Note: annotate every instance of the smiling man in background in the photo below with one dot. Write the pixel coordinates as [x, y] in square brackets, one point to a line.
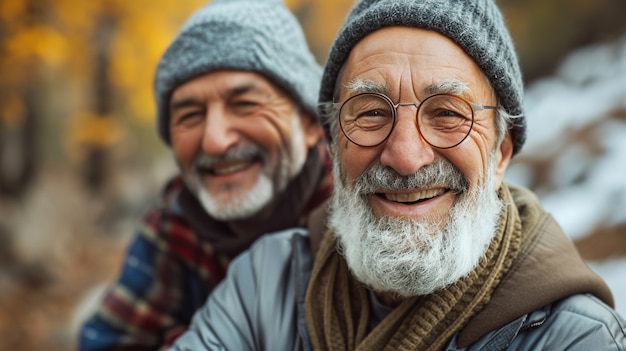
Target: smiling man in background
[236, 97]
[426, 248]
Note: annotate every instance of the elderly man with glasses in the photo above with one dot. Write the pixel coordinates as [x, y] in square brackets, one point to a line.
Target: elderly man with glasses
[426, 248]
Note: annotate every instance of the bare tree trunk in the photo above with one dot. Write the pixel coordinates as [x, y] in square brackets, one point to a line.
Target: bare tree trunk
[96, 165]
[18, 148]
[18, 121]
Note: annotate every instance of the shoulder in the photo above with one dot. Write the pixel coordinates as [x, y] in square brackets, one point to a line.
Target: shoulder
[578, 322]
[266, 268]
[271, 253]
[586, 314]
[254, 307]
[159, 225]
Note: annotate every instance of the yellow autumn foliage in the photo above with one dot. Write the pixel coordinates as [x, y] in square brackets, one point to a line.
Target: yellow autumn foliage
[88, 128]
[43, 42]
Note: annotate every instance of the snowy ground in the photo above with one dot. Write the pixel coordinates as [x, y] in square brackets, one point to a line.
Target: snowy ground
[575, 154]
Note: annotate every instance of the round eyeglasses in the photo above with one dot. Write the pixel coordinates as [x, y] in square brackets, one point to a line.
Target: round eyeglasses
[443, 120]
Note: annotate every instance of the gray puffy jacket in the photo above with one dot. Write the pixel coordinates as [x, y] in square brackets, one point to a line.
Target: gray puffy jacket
[260, 306]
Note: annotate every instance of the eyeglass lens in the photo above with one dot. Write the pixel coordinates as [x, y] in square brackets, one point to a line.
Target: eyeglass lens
[444, 120]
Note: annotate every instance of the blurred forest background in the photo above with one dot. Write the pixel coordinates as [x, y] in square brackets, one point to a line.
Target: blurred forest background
[80, 159]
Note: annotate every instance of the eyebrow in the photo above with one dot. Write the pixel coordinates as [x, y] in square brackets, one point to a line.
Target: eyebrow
[192, 101]
[359, 85]
[453, 86]
[240, 90]
[182, 103]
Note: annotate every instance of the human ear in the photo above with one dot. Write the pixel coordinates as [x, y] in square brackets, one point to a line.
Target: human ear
[311, 129]
[503, 154]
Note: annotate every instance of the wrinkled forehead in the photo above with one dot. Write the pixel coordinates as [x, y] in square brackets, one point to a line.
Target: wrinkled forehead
[445, 86]
[407, 58]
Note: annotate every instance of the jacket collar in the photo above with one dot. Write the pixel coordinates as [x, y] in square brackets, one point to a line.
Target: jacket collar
[547, 269]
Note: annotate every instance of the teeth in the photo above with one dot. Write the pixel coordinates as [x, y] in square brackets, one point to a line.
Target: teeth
[412, 197]
[232, 168]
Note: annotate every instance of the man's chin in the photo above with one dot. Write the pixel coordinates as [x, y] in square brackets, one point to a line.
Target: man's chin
[225, 208]
[237, 205]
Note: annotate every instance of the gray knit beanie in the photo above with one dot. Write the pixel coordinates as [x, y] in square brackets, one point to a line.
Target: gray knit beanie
[261, 36]
[476, 26]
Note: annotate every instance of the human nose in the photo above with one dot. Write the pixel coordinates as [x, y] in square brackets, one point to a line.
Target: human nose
[220, 132]
[405, 150]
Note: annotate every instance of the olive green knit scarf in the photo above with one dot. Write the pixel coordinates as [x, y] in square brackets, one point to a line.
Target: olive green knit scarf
[337, 306]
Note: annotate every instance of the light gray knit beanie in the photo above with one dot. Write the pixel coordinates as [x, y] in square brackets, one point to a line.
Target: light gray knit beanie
[262, 36]
[476, 26]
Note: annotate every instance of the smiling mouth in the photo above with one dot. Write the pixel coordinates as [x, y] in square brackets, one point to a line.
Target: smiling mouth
[411, 198]
[229, 168]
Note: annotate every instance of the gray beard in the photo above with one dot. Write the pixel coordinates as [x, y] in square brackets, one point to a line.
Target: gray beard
[411, 257]
[239, 204]
[272, 180]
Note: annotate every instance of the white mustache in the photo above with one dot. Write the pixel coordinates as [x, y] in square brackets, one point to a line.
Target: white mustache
[204, 162]
[438, 173]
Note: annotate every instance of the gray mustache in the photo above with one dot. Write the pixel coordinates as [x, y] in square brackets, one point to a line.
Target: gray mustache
[441, 172]
[203, 162]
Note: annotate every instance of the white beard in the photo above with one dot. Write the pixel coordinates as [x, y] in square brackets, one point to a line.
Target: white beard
[411, 257]
[238, 207]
